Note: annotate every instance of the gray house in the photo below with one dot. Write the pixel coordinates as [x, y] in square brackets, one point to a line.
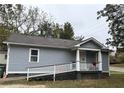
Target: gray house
[49, 56]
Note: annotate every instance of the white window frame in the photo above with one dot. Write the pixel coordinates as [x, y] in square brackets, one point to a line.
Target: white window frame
[37, 55]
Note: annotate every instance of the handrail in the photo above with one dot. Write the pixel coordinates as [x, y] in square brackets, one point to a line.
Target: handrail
[47, 70]
[50, 65]
[60, 64]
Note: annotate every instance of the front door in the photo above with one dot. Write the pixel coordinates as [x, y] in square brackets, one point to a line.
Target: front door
[83, 56]
[92, 59]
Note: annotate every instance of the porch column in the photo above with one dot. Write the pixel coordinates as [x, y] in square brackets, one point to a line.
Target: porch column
[100, 60]
[78, 60]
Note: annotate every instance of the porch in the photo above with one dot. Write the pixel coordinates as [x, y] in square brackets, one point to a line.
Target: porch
[88, 59]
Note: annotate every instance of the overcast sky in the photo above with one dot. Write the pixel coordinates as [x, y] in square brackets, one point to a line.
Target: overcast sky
[83, 18]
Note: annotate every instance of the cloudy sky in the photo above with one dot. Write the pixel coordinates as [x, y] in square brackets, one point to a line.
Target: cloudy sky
[83, 18]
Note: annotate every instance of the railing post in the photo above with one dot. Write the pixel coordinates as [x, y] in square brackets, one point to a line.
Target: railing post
[54, 73]
[78, 60]
[70, 66]
[27, 74]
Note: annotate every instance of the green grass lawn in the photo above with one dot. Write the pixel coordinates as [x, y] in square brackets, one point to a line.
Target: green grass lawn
[114, 81]
[116, 72]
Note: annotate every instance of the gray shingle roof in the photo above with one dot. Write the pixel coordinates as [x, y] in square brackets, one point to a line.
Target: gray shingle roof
[41, 41]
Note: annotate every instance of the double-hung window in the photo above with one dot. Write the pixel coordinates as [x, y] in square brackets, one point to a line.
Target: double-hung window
[34, 55]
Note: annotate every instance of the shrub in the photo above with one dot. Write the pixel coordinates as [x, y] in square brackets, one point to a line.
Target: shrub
[112, 59]
[120, 57]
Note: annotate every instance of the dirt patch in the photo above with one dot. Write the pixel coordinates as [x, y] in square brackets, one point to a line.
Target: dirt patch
[22, 86]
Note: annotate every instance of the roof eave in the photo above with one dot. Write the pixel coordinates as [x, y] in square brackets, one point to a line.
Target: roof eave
[35, 45]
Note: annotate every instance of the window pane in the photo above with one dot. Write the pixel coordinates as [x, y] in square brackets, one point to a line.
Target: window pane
[34, 59]
[34, 52]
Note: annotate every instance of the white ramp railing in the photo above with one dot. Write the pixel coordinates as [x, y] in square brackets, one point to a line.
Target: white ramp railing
[50, 70]
[60, 68]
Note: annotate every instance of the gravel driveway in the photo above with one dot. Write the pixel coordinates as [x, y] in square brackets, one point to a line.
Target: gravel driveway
[119, 69]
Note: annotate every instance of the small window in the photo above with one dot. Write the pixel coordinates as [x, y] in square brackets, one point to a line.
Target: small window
[34, 55]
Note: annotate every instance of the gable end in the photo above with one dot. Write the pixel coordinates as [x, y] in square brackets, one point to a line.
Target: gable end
[90, 44]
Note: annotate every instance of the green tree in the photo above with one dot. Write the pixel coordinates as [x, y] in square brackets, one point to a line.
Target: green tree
[21, 19]
[46, 29]
[114, 15]
[4, 33]
[67, 32]
[10, 16]
[32, 21]
[57, 29]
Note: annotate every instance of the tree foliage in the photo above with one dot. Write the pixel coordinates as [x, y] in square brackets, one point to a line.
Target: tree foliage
[4, 33]
[114, 14]
[120, 50]
[21, 19]
[16, 18]
[67, 32]
[57, 29]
